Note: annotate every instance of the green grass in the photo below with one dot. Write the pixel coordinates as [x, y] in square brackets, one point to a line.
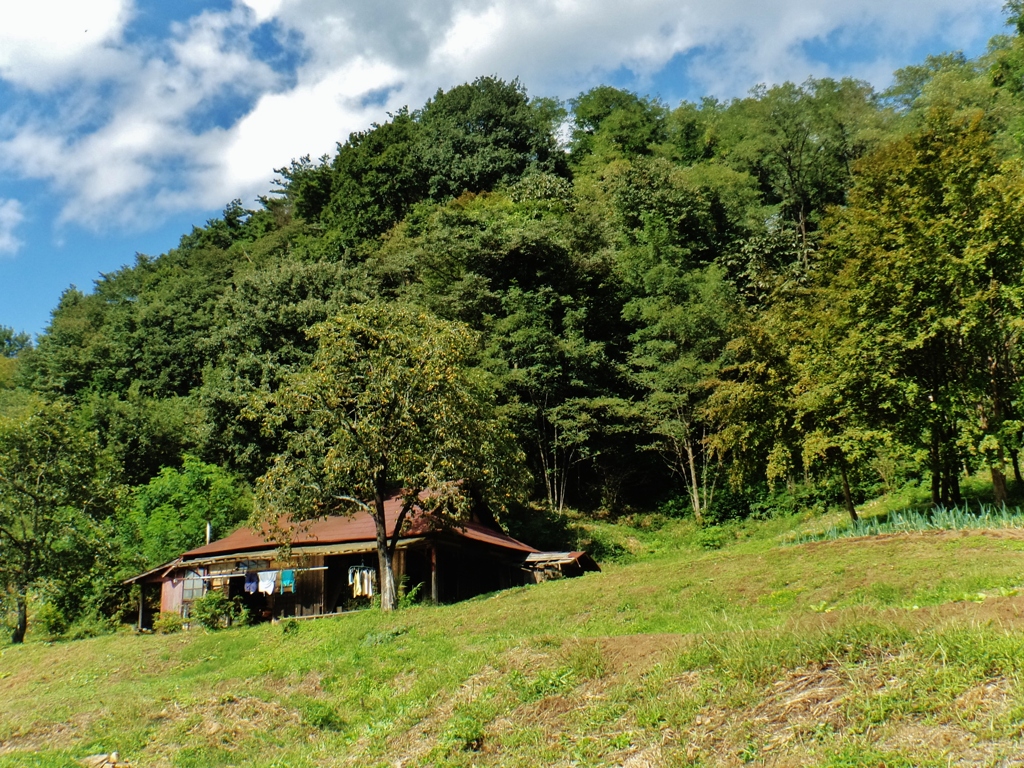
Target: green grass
[900, 650]
[959, 518]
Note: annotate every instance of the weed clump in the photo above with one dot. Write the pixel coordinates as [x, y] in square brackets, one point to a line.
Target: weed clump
[168, 622]
[322, 716]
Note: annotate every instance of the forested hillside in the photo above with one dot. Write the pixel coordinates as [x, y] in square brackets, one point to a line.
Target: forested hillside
[803, 297]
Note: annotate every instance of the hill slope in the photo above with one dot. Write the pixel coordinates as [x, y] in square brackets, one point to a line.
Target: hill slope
[899, 650]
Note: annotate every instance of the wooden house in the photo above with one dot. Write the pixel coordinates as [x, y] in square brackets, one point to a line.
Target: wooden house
[331, 566]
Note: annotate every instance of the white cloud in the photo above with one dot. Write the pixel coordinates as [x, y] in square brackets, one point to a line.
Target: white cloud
[264, 9]
[11, 216]
[145, 149]
[143, 131]
[44, 40]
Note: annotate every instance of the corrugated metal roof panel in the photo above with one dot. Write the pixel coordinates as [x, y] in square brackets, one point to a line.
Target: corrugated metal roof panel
[358, 527]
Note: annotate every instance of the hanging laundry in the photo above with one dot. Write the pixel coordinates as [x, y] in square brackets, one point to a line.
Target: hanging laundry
[361, 579]
[287, 580]
[251, 582]
[268, 580]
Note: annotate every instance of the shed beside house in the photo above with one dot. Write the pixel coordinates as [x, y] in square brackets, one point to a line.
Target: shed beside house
[332, 566]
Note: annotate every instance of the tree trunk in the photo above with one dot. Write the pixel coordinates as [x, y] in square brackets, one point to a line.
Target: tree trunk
[847, 497]
[698, 512]
[998, 485]
[936, 462]
[954, 484]
[18, 635]
[803, 236]
[1015, 460]
[388, 593]
[998, 476]
[951, 476]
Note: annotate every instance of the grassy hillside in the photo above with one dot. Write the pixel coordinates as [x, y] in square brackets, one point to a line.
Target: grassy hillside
[893, 650]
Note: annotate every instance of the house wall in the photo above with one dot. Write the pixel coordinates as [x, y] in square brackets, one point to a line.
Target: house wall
[170, 595]
[465, 571]
[457, 568]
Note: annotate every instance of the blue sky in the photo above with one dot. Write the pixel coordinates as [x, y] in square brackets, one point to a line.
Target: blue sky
[123, 123]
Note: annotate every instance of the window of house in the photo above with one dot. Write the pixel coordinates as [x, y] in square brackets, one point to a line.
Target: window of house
[193, 586]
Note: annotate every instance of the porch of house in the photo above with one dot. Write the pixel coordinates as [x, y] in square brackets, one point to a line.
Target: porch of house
[430, 570]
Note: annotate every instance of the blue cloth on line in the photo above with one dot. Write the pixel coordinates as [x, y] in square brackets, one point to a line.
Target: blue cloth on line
[287, 580]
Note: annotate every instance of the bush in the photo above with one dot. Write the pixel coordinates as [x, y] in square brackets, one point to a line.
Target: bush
[407, 597]
[168, 622]
[714, 537]
[600, 546]
[677, 507]
[213, 611]
[51, 620]
[91, 624]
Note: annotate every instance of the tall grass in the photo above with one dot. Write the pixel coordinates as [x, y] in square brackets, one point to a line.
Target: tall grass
[957, 518]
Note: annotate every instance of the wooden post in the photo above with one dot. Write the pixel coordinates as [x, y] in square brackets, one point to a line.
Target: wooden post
[141, 602]
[433, 574]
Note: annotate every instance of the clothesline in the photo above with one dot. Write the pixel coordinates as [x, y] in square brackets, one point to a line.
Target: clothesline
[233, 574]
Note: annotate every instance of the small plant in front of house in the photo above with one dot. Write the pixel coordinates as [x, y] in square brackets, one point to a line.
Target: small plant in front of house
[168, 622]
[214, 611]
[407, 597]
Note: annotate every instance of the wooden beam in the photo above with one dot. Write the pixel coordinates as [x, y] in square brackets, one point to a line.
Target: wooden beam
[433, 575]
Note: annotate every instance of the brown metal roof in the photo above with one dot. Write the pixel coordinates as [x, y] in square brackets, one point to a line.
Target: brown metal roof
[358, 527]
[155, 575]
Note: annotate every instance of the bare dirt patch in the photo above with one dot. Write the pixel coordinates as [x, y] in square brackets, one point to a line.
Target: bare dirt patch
[885, 539]
[635, 654]
[804, 703]
[47, 736]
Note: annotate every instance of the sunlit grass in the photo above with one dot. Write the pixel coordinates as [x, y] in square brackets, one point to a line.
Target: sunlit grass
[897, 650]
[959, 518]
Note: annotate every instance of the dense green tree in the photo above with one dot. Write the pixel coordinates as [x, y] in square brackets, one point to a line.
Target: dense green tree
[13, 342]
[306, 186]
[800, 141]
[929, 280]
[477, 136]
[11, 345]
[610, 123]
[388, 401]
[174, 511]
[144, 434]
[378, 175]
[684, 328]
[259, 337]
[57, 487]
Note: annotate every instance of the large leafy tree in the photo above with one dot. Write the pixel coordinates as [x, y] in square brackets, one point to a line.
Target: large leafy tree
[929, 291]
[388, 401]
[172, 511]
[678, 349]
[609, 123]
[481, 134]
[800, 141]
[378, 176]
[56, 490]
